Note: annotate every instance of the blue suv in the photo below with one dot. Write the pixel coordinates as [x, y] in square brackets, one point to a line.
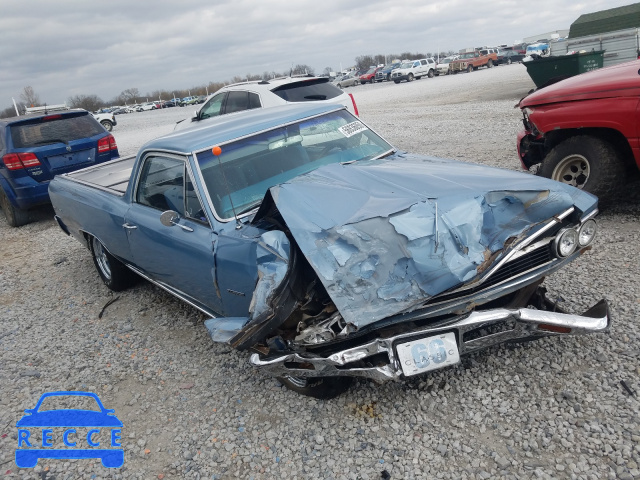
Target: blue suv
[36, 147]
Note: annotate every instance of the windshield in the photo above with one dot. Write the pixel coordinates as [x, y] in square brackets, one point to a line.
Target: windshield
[247, 168]
[371, 70]
[446, 60]
[406, 65]
[468, 55]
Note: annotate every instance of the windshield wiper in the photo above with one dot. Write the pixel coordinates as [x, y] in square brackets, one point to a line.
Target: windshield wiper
[247, 210]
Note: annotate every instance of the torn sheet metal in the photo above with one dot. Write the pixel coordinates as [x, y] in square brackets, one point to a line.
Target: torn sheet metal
[272, 257]
[384, 236]
[224, 329]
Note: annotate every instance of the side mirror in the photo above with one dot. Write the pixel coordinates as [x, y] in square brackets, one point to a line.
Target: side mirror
[169, 218]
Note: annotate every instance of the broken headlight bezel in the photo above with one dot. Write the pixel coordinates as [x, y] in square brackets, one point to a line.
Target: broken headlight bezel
[587, 232]
[566, 242]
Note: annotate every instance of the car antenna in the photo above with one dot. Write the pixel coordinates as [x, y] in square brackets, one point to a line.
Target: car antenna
[217, 151]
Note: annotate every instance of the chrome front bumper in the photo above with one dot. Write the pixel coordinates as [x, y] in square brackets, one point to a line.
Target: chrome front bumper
[474, 332]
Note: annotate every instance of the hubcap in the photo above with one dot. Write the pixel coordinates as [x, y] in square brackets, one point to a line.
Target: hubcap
[101, 258]
[299, 382]
[573, 170]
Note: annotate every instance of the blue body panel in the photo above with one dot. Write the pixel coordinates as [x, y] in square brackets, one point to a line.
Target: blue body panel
[382, 235]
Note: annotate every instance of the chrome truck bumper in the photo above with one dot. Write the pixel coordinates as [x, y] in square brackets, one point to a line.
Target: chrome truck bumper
[474, 332]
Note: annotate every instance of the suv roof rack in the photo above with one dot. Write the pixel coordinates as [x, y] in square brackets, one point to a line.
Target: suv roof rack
[47, 108]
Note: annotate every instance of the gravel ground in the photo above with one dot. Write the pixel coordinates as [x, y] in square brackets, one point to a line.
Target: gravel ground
[555, 408]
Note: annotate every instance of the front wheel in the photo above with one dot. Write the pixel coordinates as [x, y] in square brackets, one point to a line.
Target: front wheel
[490, 64]
[108, 126]
[430, 74]
[115, 275]
[15, 216]
[323, 388]
[585, 162]
[410, 77]
[396, 81]
[470, 69]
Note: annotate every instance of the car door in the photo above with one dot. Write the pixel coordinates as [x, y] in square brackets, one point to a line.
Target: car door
[178, 257]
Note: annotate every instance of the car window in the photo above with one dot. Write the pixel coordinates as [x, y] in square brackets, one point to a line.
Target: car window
[213, 106]
[236, 102]
[423, 62]
[239, 177]
[54, 129]
[416, 64]
[307, 90]
[254, 100]
[165, 185]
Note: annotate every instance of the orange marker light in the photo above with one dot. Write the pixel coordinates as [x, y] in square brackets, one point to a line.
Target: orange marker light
[216, 150]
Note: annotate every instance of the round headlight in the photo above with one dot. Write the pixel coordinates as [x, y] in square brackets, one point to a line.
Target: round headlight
[566, 242]
[587, 232]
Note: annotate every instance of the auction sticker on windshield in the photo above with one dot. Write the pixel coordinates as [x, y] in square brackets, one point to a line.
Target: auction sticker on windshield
[419, 356]
[350, 129]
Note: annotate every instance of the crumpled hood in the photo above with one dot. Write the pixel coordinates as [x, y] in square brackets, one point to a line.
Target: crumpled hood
[386, 235]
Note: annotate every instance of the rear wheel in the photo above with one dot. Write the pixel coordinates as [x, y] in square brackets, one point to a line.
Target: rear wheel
[15, 216]
[323, 388]
[586, 162]
[114, 273]
[396, 81]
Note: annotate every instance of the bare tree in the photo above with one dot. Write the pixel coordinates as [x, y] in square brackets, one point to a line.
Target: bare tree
[88, 102]
[130, 94]
[302, 70]
[30, 97]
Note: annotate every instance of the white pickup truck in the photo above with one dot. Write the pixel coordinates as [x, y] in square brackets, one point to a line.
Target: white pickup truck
[414, 69]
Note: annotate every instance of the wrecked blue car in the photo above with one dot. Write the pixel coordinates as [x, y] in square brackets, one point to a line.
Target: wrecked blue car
[327, 253]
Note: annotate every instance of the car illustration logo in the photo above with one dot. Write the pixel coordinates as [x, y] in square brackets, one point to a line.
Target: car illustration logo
[69, 433]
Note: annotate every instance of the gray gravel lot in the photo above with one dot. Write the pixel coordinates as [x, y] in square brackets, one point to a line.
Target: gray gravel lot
[555, 408]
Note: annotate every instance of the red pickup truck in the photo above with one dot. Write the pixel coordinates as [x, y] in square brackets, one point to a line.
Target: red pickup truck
[584, 130]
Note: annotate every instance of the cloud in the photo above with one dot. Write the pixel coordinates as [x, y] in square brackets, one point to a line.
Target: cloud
[69, 47]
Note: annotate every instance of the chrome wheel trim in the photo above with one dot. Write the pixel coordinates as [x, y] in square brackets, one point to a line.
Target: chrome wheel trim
[573, 170]
[300, 382]
[101, 258]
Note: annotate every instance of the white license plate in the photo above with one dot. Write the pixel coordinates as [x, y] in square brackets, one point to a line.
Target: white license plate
[429, 353]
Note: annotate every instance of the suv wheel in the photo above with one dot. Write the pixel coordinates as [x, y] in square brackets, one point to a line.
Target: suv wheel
[430, 74]
[15, 216]
[410, 77]
[587, 163]
[490, 64]
[108, 126]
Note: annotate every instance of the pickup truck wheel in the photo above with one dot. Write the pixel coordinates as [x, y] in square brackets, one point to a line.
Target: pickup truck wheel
[490, 64]
[410, 77]
[323, 388]
[15, 216]
[114, 274]
[430, 74]
[470, 69]
[587, 163]
[108, 126]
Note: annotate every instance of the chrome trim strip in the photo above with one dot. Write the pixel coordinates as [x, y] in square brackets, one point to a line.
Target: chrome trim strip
[591, 215]
[176, 293]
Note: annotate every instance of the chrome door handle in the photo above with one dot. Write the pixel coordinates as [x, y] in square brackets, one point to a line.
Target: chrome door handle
[184, 227]
[130, 227]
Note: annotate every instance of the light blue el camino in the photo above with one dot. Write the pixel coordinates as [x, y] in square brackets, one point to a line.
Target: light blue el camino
[312, 242]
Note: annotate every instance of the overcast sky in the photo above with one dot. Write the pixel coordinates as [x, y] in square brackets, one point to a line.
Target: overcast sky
[65, 48]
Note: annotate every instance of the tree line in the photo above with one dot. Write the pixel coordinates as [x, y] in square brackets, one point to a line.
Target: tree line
[28, 97]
